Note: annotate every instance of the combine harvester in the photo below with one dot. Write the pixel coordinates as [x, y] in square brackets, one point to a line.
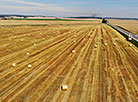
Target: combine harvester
[129, 35]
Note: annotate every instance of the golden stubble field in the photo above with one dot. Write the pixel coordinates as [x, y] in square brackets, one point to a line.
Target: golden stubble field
[131, 25]
[50, 22]
[93, 60]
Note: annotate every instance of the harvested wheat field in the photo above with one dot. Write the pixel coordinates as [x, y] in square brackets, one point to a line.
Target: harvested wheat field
[67, 63]
[130, 25]
[48, 22]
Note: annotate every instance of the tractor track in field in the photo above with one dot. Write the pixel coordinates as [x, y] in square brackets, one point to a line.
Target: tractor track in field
[93, 60]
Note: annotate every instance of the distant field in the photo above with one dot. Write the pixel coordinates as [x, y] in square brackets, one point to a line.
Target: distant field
[94, 60]
[45, 22]
[38, 19]
[131, 25]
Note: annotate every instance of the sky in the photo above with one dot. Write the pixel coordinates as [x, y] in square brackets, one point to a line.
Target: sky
[68, 8]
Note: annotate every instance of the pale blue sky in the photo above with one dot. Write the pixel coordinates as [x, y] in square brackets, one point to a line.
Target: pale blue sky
[114, 8]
